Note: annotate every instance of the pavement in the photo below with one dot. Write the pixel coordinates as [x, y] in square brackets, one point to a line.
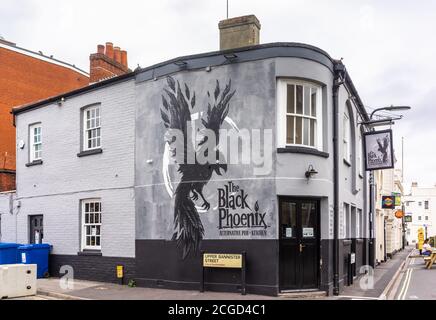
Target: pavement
[384, 277]
[388, 280]
[416, 282]
[88, 290]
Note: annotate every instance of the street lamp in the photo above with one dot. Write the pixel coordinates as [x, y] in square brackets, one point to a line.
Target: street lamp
[371, 123]
[390, 108]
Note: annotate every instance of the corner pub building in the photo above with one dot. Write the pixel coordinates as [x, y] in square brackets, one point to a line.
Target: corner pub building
[108, 191]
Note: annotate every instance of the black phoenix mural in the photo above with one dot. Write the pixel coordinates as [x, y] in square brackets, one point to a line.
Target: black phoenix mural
[177, 104]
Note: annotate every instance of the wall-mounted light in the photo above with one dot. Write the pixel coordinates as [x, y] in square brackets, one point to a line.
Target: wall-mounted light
[310, 172]
[61, 101]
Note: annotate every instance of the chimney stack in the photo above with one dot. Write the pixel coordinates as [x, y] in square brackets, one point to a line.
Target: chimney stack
[239, 32]
[108, 62]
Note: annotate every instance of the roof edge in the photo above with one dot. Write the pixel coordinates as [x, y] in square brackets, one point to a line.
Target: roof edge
[19, 109]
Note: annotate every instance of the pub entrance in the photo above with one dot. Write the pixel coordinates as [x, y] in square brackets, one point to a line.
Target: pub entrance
[299, 243]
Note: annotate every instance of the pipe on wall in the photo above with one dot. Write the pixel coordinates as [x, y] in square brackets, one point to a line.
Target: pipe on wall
[339, 72]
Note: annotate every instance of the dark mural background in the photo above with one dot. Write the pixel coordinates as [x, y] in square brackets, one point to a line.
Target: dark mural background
[227, 201]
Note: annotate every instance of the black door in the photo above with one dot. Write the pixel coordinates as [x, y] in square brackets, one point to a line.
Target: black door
[299, 244]
[36, 229]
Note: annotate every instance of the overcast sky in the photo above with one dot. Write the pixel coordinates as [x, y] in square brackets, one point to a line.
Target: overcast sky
[388, 46]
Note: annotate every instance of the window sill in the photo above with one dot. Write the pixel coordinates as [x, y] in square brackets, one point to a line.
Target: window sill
[90, 152]
[347, 162]
[303, 150]
[34, 163]
[94, 253]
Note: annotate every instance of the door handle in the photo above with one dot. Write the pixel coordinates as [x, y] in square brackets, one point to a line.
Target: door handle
[301, 247]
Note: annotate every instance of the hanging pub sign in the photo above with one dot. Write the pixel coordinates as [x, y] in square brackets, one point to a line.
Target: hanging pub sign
[397, 196]
[399, 214]
[379, 151]
[388, 202]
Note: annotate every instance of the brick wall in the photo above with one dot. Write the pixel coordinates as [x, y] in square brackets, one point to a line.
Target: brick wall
[24, 79]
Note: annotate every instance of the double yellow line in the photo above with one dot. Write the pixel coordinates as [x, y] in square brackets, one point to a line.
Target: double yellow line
[406, 284]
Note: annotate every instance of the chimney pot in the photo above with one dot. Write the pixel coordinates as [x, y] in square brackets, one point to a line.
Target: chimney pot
[100, 49]
[109, 50]
[124, 58]
[117, 54]
[239, 32]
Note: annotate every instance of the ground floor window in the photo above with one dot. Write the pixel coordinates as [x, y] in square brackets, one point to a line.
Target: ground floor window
[91, 224]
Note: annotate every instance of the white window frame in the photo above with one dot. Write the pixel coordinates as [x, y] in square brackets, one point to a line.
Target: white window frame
[34, 154]
[92, 127]
[91, 225]
[282, 114]
[359, 154]
[346, 136]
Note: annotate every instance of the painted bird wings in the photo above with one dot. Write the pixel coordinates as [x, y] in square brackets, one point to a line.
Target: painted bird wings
[176, 112]
[217, 113]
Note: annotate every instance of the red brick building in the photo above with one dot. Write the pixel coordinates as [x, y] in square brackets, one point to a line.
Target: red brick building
[27, 76]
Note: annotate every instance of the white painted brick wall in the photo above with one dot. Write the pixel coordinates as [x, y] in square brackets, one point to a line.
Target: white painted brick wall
[7, 225]
[55, 188]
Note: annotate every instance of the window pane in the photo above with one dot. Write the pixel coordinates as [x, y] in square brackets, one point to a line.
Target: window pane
[299, 129]
[290, 130]
[98, 241]
[308, 221]
[312, 132]
[306, 132]
[88, 241]
[289, 219]
[291, 99]
[299, 100]
[313, 102]
[307, 101]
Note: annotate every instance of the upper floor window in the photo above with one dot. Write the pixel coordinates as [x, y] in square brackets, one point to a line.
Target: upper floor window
[35, 142]
[359, 155]
[347, 136]
[426, 204]
[299, 114]
[91, 128]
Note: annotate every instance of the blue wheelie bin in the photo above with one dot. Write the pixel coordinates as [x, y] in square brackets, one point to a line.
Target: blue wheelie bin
[8, 253]
[36, 254]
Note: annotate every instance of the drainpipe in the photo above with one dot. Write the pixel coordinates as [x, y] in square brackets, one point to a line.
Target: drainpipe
[339, 71]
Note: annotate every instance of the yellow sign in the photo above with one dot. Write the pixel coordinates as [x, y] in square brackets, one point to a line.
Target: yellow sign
[397, 201]
[222, 260]
[120, 272]
[420, 238]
